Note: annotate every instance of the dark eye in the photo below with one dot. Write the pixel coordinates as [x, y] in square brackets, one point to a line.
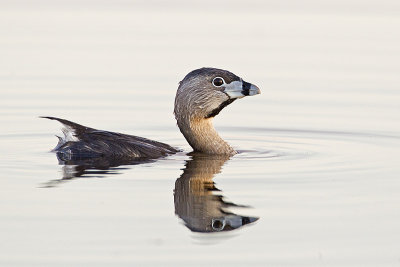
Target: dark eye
[218, 81]
[218, 224]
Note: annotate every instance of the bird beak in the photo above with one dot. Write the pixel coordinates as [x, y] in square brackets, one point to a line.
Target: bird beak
[239, 89]
[236, 221]
[231, 222]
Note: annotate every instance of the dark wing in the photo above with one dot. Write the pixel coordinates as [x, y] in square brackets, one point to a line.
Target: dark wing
[83, 142]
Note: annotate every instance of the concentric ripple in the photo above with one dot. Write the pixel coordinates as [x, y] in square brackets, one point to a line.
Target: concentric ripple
[289, 150]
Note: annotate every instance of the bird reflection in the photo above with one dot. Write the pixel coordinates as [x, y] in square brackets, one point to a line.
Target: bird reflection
[199, 203]
[99, 167]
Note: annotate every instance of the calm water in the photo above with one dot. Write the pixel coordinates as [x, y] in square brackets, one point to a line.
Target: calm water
[316, 182]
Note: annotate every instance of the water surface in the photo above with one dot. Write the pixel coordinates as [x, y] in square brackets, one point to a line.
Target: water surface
[316, 179]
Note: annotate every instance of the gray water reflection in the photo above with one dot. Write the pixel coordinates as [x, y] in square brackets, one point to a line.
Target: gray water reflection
[199, 203]
[98, 167]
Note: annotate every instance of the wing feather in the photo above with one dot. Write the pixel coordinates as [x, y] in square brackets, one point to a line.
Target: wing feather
[81, 141]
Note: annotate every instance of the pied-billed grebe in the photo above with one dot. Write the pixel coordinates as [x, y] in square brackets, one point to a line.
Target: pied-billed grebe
[201, 95]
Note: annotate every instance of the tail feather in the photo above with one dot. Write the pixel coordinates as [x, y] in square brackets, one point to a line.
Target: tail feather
[71, 131]
[77, 128]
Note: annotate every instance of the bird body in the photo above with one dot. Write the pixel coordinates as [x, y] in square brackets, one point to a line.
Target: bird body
[83, 142]
[201, 95]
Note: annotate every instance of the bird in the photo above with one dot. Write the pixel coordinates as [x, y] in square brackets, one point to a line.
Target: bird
[200, 96]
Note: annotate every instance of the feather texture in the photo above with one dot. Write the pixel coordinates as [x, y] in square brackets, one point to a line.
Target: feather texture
[84, 142]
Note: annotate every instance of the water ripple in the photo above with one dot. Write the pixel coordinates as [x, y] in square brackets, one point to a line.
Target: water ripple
[316, 151]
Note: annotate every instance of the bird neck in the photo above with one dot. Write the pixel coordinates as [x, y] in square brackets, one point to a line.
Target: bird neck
[202, 136]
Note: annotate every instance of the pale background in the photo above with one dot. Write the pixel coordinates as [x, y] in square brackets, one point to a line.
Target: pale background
[329, 111]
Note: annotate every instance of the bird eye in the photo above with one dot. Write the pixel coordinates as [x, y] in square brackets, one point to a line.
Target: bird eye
[218, 224]
[218, 81]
